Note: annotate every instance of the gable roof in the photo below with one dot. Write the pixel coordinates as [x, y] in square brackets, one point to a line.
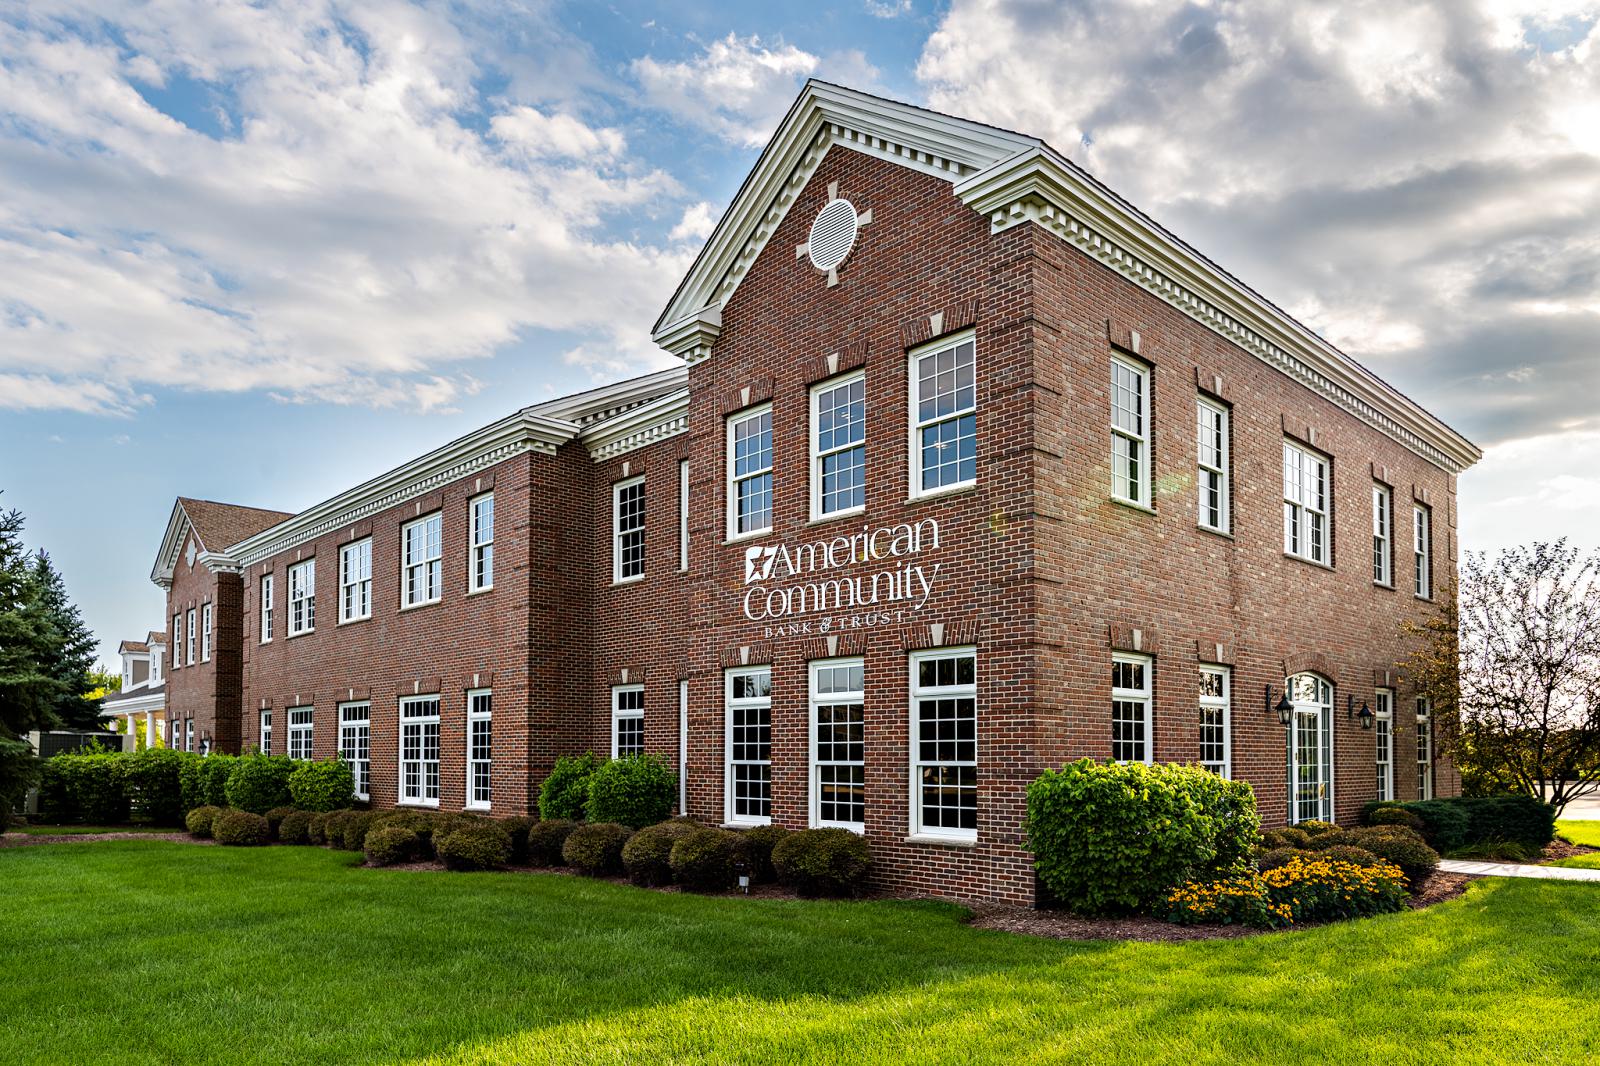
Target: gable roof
[156, 637]
[215, 525]
[1013, 179]
[134, 647]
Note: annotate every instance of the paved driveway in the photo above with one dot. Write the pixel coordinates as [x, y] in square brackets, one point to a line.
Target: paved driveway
[1587, 808]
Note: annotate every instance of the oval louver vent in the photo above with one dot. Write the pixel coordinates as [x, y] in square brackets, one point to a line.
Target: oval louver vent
[833, 234]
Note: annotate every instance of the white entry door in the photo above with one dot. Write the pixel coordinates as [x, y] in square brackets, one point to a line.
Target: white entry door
[1310, 749]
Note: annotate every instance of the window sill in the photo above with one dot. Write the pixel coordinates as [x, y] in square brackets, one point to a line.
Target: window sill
[1422, 599]
[481, 591]
[750, 824]
[1134, 505]
[476, 807]
[1223, 533]
[353, 621]
[1387, 586]
[419, 606]
[616, 581]
[942, 493]
[302, 633]
[417, 803]
[935, 838]
[853, 827]
[835, 516]
[1308, 562]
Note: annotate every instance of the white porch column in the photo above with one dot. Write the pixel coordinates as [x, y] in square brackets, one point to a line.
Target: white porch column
[149, 729]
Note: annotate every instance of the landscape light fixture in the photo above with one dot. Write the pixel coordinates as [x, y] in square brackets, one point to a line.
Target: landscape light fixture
[1284, 708]
[1365, 714]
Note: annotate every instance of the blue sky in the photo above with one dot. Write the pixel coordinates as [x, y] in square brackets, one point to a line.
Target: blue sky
[258, 254]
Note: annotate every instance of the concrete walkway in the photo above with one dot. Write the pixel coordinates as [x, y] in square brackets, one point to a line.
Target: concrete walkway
[1511, 869]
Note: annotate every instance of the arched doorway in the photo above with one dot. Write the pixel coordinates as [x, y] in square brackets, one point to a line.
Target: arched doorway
[1310, 748]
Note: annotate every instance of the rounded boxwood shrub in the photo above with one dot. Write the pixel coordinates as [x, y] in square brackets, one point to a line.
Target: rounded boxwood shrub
[824, 862]
[1403, 848]
[596, 849]
[295, 828]
[353, 830]
[635, 791]
[333, 828]
[546, 840]
[482, 844]
[259, 783]
[391, 843]
[1311, 827]
[1276, 857]
[317, 828]
[709, 860]
[759, 843]
[1394, 816]
[1350, 853]
[240, 828]
[565, 793]
[517, 829]
[423, 823]
[1117, 837]
[326, 785]
[647, 856]
[198, 821]
[1286, 837]
[275, 818]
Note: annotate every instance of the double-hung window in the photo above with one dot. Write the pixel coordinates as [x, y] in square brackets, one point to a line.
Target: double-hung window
[1384, 725]
[355, 744]
[355, 581]
[838, 446]
[300, 732]
[1130, 431]
[266, 608]
[1212, 450]
[1382, 535]
[749, 745]
[205, 632]
[1215, 743]
[1305, 504]
[838, 738]
[302, 597]
[188, 734]
[1130, 708]
[944, 719]
[481, 565]
[683, 514]
[1422, 550]
[627, 530]
[944, 409]
[627, 721]
[421, 578]
[1424, 750]
[480, 747]
[188, 643]
[419, 750]
[750, 472]
[177, 640]
[266, 732]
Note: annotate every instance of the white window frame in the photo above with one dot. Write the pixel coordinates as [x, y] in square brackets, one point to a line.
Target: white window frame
[205, 632]
[1383, 729]
[816, 701]
[918, 423]
[1422, 550]
[177, 640]
[1319, 706]
[1215, 419]
[355, 580]
[422, 722]
[355, 738]
[1135, 439]
[428, 567]
[618, 533]
[683, 514]
[919, 692]
[1424, 749]
[620, 714]
[266, 608]
[735, 479]
[264, 732]
[480, 722]
[818, 456]
[1299, 514]
[188, 734]
[1382, 535]
[1222, 704]
[1143, 696]
[480, 554]
[188, 642]
[746, 703]
[303, 597]
[301, 735]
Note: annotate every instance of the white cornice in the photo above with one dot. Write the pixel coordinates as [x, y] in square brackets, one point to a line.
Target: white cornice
[178, 528]
[657, 420]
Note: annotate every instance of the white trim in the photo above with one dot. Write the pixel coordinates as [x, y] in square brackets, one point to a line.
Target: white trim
[915, 424]
[1326, 770]
[683, 746]
[207, 618]
[650, 422]
[617, 577]
[1143, 695]
[298, 735]
[1223, 703]
[1382, 535]
[479, 548]
[732, 480]
[1422, 551]
[619, 714]
[814, 439]
[1425, 746]
[353, 723]
[265, 592]
[683, 514]
[346, 583]
[430, 566]
[308, 587]
[1221, 469]
[422, 721]
[1383, 736]
[815, 700]
[188, 637]
[1299, 513]
[729, 704]
[479, 717]
[1137, 437]
[915, 828]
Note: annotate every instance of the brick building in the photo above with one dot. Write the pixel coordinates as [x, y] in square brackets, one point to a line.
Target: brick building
[970, 469]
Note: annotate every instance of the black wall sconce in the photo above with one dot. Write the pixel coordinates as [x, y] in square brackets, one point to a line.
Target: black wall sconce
[1283, 707]
[1365, 714]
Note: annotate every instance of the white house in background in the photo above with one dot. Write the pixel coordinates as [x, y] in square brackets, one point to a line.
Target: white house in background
[142, 703]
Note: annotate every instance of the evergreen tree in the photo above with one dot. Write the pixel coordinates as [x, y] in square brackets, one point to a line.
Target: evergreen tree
[27, 693]
[69, 650]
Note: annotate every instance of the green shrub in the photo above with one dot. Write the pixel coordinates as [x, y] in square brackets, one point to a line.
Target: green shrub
[824, 862]
[192, 782]
[482, 845]
[1401, 847]
[199, 820]
[240, 828]
[635, 791]
[391, 843]
[333, 828]
[317, 828]
[595, 849]
[326, 785]
[275, 818]
[565, 793]
[647, 856]
[1393, 816]
[759, 843]
[1352, 854]
[1311, 827]
[421, 822]
[517, 829]
[449, 822]
[1286, 837]
[215, 769]
[295, 828]
[259, 783]
[708, 860]
[155, 793]
[546, 839]
[1499, 851]
[84, 788]
[1110, 837]
[353, 830]
[1276, 857]
[1510, 819]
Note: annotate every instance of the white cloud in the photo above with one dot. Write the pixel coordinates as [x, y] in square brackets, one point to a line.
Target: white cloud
[888, 9]
[739, 86]
[360, 217]
[697, 223]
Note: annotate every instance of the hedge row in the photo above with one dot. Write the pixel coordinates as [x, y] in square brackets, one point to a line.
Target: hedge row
[1466, 822]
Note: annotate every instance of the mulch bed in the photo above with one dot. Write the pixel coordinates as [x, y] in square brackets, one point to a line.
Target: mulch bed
[19, 840]
[1560, 849]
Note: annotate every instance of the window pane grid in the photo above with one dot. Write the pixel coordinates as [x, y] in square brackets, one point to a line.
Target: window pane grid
[1214, 720]
[750, 745]
[355, 739]
[300, 727]
[1384, 727]
[419, 750]
[750, 460]
[841, 454]
[1382, 531]
[839, 758]
[946, 422]
[302, 597]
[944, 699]
[355, 581]
[1130, 710]
[627, 706]
[1212, 434]
[1305, 510]
[483, 542]
[479, 747]
[1421, 551]
[1129, 431]
[423, 563]
[266, 608]
[628, 530]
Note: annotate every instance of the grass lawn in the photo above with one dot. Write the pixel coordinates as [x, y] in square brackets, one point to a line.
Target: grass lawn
[84, 830]
[147, 951]
[1581, 832]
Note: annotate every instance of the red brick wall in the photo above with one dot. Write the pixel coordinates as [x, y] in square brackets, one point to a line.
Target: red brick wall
[206, 690]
